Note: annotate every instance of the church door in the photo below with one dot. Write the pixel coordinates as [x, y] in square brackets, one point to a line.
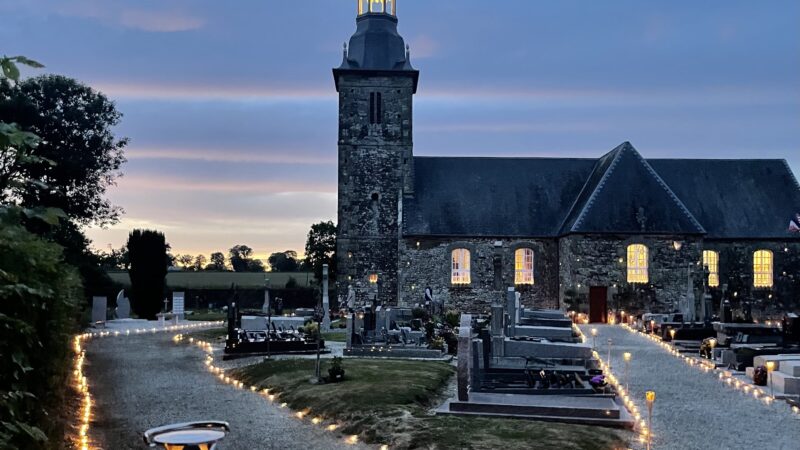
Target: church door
[598, 304]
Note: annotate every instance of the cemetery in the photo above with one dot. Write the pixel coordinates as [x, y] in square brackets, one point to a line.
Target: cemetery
[520, 300]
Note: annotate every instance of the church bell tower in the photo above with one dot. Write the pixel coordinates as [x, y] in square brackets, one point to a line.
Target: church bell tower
[376, 85]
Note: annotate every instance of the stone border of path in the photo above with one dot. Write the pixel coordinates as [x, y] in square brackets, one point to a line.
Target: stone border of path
[725, 376]
[271, 396]
[84, 412]
[640, 425]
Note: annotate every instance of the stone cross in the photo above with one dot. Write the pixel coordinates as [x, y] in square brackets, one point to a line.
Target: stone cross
[464, 356]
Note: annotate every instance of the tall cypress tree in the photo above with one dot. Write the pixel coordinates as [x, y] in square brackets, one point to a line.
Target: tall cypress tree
[147, 251]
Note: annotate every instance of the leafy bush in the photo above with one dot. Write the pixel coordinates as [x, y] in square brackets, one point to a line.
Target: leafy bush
[148, 254]
[420, 313]
[38, 298]
[437, 344]
[452, 318]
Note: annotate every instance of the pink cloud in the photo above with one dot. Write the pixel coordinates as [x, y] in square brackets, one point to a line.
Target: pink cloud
[423, 46]
[152, 183]
[265, 156]
[119, 13]
[159, 21]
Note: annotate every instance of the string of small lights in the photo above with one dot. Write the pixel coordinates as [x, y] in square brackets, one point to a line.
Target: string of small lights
[271, 395]
[81, 382]
[725, 376]
[640, 425]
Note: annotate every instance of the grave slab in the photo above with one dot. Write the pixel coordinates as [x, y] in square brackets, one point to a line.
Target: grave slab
[791, 368]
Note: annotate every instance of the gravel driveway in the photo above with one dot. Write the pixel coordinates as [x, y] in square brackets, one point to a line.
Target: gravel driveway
[693, 409]
[139, 382]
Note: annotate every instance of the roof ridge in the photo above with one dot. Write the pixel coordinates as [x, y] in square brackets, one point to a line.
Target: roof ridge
[599, 185]
[674, 197]
[791, 174]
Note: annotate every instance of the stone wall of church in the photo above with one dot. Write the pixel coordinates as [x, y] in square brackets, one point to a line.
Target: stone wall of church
[588, 261]
[426, 262]
[736, 274]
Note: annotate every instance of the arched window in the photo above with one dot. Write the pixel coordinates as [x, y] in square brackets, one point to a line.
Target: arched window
[460, 268]
[523, 266]
[637, 264]
[762, 268]
[711, 263]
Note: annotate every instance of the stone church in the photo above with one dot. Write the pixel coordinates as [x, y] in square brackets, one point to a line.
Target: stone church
[563, 231]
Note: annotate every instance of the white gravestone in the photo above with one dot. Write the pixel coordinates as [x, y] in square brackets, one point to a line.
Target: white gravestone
[177, 305]
[99, 306]
[123, 306]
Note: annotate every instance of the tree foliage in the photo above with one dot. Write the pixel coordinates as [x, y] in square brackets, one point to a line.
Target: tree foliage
[284, 261]
[38, 298]
[147, 250]
[321, 249]
[77, 157]
[217, 262]
[241, 259]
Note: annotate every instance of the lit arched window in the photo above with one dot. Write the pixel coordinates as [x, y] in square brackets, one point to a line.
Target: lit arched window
[460, 268]
[523, 266]
[711, 262]
[637, 264]
[762, 268]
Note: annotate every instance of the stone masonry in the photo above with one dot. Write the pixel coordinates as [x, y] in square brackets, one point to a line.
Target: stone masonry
[375, 171]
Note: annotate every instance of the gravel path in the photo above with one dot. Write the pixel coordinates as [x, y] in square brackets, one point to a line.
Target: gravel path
[693, 409]
[139, 382]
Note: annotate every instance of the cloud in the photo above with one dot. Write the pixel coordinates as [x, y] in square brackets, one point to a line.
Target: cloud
[423, 46]
[212, 92]
[159, 21]
[147, 16]
[260, 156]
[156, 183]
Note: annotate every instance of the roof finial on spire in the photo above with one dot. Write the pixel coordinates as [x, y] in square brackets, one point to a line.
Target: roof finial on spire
[408, 52]
[344, 45]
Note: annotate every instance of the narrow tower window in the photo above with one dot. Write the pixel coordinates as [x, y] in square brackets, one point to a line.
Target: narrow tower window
[375, 108]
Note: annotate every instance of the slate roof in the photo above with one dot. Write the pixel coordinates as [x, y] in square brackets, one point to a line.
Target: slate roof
[549, 197]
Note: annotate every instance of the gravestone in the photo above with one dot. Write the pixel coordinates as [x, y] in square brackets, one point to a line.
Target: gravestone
[265, 307]
[123, 306]
[350, 330]
[511, 308]
[498, 333]
[99, 306]
[177, 306]
[326, 304]
[464, 358]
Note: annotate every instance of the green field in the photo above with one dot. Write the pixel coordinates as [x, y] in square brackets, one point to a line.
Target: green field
[389, 402]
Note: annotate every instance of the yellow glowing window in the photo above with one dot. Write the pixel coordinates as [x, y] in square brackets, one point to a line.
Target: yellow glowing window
[460, 270]
[637, 264]
[762, 268]
[523, 266]
[711, 262]
[377, 6]
[373, 278]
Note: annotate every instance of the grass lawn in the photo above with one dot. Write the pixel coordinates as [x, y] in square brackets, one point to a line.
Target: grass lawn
[334, 337]
[389, 402]
[207, 316]
[211, 334]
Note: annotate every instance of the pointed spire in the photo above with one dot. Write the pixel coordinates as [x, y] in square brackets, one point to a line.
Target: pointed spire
[344, 53]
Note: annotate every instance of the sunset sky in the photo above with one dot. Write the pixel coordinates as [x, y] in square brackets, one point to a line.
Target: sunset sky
[231, 107]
